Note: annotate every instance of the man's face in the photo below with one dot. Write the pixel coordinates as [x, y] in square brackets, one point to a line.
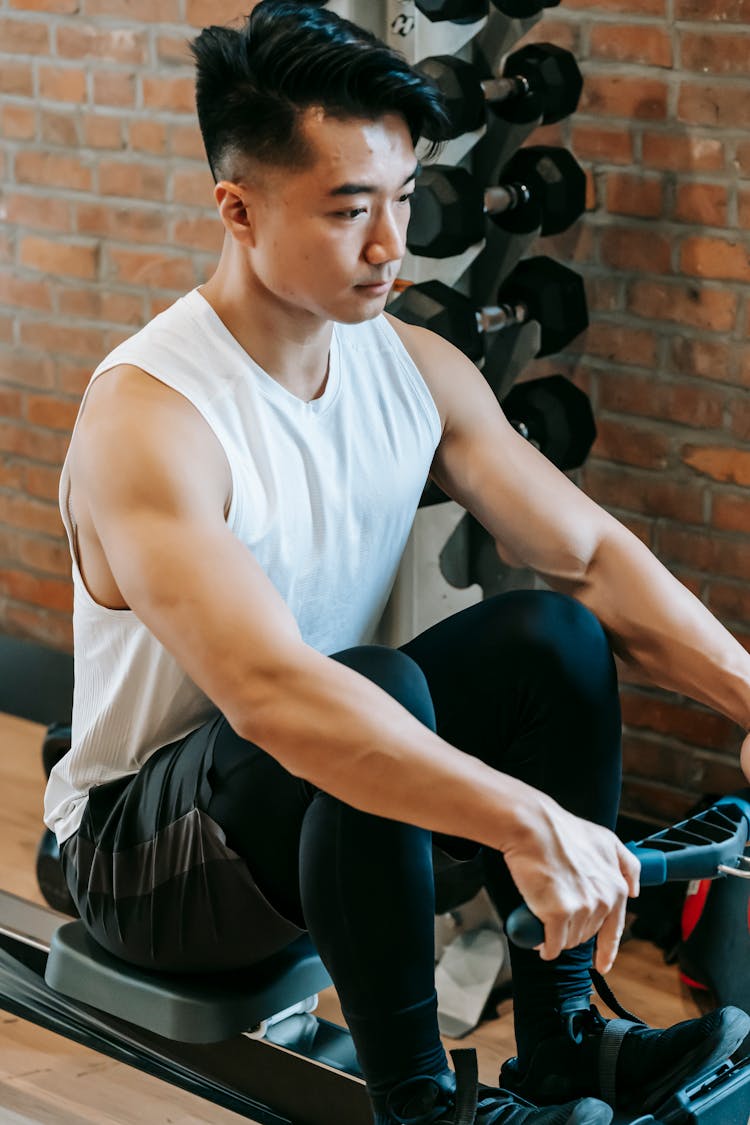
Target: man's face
[330, 239]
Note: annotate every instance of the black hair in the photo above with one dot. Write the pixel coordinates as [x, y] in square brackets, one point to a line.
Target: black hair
[253, 84]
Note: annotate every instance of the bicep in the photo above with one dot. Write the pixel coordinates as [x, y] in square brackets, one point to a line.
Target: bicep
[196, 587]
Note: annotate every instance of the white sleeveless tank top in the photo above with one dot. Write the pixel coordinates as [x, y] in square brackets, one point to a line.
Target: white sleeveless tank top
[324, 494]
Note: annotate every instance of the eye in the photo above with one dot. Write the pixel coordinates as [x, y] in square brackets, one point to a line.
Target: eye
[351, 214]
[405, 198]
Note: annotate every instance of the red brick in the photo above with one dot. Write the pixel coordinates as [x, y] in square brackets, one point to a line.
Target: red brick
[729, 600]
[101, 304]
[72, 378]
[573, 246]
[702, 204]
[44, 555]
[722, 463]
[62, 84]
[103, 132]
[53, 170]
[18, 122]
[81, 41]
[633, 248]
[682, 153]
[195, 188]
[722, 106]
[604, 294]
[114, 89]
[634, 195]
[41, 445]
[632, 43]
[16, 78]
[668, 402]
[742, 159]
[641, 528]
[640, 99]
[731, 513]
[714, 53]
[56, 7]
[148, 136]
[657, 761]
[30, 515]
[11, 476]
[146, 11]
[638, 7]
[173, 49]
[25, 210]
[51, 629]
[42, 482]
[140, 181]
[619, 343]
[200, 13]
[646, 494]
[125, 224]
[51, 412]
[714, 257]
[705, 359]
[714, 309]
[608, 146]
[711, 554]
[741, 418]
[58, 128]
[25, 294]
[199, 233]
[22, 37]
[11, 403]
[6, 329]
[743, 208]
[719, 775]
[186, 140]
[48, 592]
[744, 360]
[64, 338]
[654, 802]
[176, 95]
[52, 257]
[154, 270]
[563, 33]
[729, 11]
[35, 370]
[631, 443]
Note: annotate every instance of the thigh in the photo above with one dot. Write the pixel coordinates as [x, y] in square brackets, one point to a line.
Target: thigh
[154, 876]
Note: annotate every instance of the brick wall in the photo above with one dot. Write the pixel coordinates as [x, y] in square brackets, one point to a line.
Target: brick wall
[106, 216]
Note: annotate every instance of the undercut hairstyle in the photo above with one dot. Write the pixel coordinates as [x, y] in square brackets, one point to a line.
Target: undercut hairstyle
[254, 85]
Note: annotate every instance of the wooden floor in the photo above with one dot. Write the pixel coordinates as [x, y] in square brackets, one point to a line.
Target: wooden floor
[47, 1080]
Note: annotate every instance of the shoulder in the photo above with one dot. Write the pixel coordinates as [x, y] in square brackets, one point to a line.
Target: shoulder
[445, 369]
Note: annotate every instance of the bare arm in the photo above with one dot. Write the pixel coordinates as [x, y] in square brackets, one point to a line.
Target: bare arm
[538, 518]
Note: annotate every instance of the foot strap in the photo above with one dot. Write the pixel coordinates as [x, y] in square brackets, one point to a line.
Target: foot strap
[609, 1051]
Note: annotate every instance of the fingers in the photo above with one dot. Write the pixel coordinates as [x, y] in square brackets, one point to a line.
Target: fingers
[609, 937]
[631, 870]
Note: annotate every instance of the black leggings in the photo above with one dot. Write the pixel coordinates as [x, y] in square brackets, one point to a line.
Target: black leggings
[526, 682]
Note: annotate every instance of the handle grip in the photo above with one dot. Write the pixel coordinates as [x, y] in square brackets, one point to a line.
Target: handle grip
[692, 849]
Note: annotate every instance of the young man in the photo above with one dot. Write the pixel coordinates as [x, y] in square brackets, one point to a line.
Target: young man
[239, 488]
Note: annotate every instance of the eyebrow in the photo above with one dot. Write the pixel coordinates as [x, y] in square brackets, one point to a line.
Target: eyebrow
[368, 189]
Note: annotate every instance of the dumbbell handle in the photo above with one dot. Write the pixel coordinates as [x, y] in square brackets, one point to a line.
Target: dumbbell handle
[505, 197]
[493, 318]
[500, 89]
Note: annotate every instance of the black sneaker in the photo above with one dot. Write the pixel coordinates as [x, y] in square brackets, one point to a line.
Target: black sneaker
[623, 1061]
[459, 1099]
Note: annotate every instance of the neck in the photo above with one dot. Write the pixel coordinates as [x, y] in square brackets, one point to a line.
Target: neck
[291, 344]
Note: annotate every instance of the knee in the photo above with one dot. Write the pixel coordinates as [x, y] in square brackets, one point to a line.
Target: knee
[397, 674]
[565, 638]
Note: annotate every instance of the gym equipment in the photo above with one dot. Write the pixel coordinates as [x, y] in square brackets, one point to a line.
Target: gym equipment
[542, 188]
[538, 289]
[539, 82]
[705, 846]
[468, 11]
[555, 416]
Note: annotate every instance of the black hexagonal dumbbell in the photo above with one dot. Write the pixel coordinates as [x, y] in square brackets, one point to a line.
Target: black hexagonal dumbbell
[538, 289]
[467, 11]
[555, 416]
[539, 82]
[542, 188]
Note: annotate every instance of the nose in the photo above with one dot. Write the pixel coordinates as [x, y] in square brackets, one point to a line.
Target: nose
[388, 240]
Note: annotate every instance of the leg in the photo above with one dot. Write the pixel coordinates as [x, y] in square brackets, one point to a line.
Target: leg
[526, 682]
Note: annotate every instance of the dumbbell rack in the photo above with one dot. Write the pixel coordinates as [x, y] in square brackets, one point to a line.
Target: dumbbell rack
[450, 562]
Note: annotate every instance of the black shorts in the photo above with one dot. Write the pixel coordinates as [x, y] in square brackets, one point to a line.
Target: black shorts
[153, 877]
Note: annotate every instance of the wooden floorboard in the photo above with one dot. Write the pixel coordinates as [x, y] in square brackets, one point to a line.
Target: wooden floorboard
[48, 1080]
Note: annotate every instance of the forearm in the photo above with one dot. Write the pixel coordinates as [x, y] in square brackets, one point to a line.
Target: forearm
[344, 734]
[656, 625]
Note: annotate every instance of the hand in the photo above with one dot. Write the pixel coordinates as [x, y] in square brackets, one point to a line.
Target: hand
[576, 877]
[745, 757]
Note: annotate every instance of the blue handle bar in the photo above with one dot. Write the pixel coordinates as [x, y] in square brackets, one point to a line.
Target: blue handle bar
[692, 849]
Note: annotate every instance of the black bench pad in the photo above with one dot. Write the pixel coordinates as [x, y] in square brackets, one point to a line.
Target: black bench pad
[205, 1008]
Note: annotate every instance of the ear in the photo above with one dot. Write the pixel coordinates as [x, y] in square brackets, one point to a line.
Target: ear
[236, 208]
